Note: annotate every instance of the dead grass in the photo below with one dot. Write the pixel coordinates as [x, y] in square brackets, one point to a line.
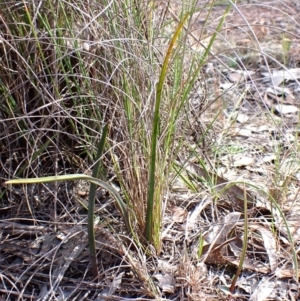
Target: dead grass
[56, 99]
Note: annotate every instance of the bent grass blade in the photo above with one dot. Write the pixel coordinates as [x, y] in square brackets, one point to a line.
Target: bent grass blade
[120, 204]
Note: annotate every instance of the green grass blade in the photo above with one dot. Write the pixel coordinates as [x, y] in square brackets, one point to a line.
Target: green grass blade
[155, 134]
[121, 206]
[291, 240]
[92, 195]
[245, 242]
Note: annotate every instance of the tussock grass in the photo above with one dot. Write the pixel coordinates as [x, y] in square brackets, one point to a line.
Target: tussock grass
[129, 92]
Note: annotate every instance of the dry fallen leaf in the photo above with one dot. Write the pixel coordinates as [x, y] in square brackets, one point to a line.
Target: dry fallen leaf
[269, 158]
[252, 265]
[242, 118]
[237, 160]
[218, 233]
[263, 290]
[282, 94]
[216, 239]
[241, 132]
[227, 86]
[269, 243]
[237, 76]
[214, 255]
[278, 76]
[196, 212]
[234, 192]
[110, 290]
[286, 273]
[285, 109]
[178, 214]
[165, 282]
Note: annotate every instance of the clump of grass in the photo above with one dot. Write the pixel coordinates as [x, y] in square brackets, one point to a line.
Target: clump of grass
[59, 76]
[58, 80]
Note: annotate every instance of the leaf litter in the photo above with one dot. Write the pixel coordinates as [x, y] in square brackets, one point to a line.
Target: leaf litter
[258, 139]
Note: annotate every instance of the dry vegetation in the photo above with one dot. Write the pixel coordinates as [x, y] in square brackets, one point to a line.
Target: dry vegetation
[216, 217]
